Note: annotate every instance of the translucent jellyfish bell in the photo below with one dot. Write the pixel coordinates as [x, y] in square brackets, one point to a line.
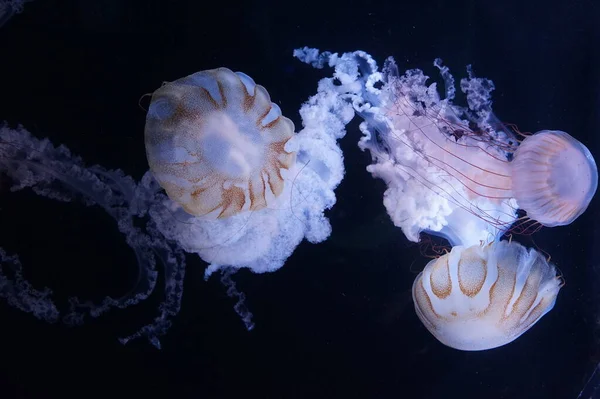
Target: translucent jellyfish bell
[216, 143]
[554, 177]
[482, 297]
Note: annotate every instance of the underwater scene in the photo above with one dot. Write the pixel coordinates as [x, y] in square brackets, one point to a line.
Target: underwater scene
[300, 200]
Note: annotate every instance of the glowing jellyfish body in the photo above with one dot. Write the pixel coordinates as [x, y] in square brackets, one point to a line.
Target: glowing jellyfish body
[554, 177]
[455, 171]
[251, 189]
[482, 297]
[216, 143]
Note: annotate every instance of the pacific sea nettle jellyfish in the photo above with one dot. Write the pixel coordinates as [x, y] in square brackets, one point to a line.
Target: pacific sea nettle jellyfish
[459, 173]
[482, 297]
[243, 188]
[455, 171]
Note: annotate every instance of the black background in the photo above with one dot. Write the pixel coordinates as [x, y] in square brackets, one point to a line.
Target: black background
[337, 320]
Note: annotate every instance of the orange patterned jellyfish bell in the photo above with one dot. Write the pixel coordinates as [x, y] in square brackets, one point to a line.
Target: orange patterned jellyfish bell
[217, 144]
[481, 297]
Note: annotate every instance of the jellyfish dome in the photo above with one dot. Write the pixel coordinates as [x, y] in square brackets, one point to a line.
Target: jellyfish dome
[216, 143]
[554, 177]
[243, 188]
[456, 171]
[482, 297]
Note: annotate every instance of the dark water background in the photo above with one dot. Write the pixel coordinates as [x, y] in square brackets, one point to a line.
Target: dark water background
[337, 320]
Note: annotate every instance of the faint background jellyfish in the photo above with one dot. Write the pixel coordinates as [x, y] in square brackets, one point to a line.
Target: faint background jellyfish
[456, 171]
[482, 297]
[57, 174]
[8, 8]
[243, 188]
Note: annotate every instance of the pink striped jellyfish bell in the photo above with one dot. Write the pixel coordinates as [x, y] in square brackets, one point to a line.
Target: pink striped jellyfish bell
[215, 142]
[554, 177]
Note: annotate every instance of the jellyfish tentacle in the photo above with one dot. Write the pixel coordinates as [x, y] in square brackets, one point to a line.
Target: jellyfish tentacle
[54, 173]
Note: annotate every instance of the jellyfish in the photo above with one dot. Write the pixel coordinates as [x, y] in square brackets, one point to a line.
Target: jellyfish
[204, 154]
[457, 171]
[482, 297]
[554, 177]
[10, 7]
[243, 188]
[229, 180]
